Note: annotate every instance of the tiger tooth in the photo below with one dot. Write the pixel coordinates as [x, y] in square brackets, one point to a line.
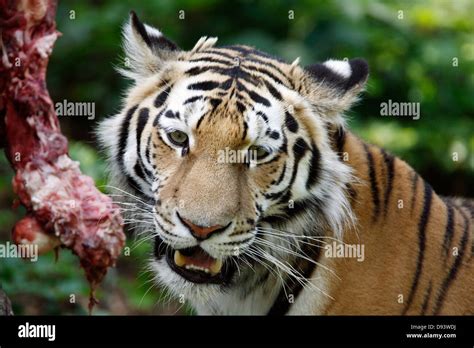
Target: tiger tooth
[179, 259]
[216, 267]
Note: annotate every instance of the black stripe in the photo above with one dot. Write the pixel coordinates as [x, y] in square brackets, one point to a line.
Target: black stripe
[284, 145]
[171, 114]
[455, 268]
[234, 72]
[373, 182]
[241, 87]
[212, 60]
[238, 242]
[204, 86]
[266, 63]
[196, 70]
[314, 167]
[291, 123]
[237, 72]
[215, 102]
[227, 84]
[123, 135]
[277, 195]
[249, 51]
[240, 106]
[274, 135]
[339, 141]
[448, 233]
[265, 117]
[245, 130]
[389, 164]
[282, 175]
[138, 169]
[273, 91]
[259, 99]
[192, 99]
[143, 116]
[293, 287]
[199, 122]
[147, 150]
[426, 301]
[157, 118]
[161, 98]
[141, 122]
[425, 215]
[219, 52]
[257, 55]
[299, 149]
[273, 159]
[264, 72]
[247, 75]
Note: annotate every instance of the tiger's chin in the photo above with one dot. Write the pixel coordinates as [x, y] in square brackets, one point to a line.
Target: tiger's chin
[191, 272]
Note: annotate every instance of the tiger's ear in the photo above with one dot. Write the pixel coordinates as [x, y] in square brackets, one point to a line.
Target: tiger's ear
[146, 49]
[336, 84]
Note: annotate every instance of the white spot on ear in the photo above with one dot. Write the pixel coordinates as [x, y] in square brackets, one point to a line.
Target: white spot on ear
[153, 31]
[340, 67]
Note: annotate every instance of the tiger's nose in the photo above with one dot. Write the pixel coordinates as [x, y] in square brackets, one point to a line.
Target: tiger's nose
[202, 232]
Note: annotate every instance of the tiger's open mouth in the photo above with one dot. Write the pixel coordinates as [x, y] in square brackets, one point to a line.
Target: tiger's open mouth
[196, 265]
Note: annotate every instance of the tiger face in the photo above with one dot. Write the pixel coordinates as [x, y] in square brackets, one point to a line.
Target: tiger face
[227, 155]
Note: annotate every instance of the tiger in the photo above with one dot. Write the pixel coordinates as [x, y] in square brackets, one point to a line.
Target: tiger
[275, 231]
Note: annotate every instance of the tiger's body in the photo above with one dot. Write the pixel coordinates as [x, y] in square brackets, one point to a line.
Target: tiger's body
[433, 271]
[240, 238]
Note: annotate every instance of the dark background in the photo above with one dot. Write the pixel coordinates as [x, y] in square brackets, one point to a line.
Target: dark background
[412, 48]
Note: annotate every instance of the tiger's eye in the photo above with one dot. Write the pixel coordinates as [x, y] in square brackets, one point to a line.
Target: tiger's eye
[178, 138]
[258, 152]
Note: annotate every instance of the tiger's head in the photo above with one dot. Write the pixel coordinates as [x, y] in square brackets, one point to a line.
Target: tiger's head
[226, 154]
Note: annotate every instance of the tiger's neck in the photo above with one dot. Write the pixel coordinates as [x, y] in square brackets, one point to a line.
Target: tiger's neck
[384, 199]
[387, 191]
[397, 244]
